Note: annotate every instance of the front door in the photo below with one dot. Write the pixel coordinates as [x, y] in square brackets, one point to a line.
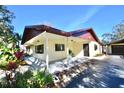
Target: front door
[86, 49]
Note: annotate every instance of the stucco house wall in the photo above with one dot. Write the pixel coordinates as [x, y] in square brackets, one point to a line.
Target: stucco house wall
[92, 51]
[56, 55]
[109, 49]
[37, 55]
[53, 55]
[76, 47]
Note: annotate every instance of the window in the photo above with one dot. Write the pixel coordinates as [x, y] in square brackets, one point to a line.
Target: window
[95, 47]
[59, 47]
[39, 49]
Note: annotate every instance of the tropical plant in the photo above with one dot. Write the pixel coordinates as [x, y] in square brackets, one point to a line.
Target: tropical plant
[41, 79]
[71, 53]
[10, 60]
[22, 80]
[10, 57]
[29, 79]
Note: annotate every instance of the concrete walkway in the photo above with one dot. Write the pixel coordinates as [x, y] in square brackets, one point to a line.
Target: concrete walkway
[106, 72]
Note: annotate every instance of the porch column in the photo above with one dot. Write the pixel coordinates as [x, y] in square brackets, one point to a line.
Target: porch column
[47, 49]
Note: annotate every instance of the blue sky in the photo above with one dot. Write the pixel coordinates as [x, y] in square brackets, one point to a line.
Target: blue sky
[68, 18]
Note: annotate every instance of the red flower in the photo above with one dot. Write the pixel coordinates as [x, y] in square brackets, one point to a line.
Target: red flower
[11, 65]
[19, 54]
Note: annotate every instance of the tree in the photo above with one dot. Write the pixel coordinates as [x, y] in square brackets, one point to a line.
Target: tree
[10, 56]
[107, 38]
[9, 41]
[117, 33]
[7, 35]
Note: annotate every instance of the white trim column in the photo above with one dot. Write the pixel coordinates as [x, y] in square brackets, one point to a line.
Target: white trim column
[47, 49]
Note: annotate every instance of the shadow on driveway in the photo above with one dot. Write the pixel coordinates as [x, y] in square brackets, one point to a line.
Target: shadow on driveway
[103, 74]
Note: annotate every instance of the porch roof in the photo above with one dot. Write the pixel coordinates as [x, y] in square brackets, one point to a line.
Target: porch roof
[52, 36]
[31, 32]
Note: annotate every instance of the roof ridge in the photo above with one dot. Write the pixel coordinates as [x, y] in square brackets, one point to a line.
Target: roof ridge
[83, 29]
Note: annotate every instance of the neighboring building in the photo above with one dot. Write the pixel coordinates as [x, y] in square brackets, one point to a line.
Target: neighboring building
[51, 44]
[116, 47]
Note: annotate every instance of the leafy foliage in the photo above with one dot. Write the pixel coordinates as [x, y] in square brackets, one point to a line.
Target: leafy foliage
[107, 38]
[29, 79]
[117, 33]
[8, 58]
[6, 29]
[10, 54]
[8, 40]
[21, 80]
[7, 36]
[41, 79]
[11, 57]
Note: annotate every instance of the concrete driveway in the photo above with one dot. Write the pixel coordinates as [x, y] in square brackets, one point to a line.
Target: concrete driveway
[106, 72]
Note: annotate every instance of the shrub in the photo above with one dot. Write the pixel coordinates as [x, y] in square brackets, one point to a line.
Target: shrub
[21, 80]
[41, 79]
[29, 79]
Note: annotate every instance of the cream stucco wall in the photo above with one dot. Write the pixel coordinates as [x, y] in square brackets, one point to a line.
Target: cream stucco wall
[76, 47]
[56, 55]
[38, 55]
[73, 44]
[53, 55]
[92, 51]
[109, 50]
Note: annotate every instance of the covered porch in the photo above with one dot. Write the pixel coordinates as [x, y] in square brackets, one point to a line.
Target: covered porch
[52, 47]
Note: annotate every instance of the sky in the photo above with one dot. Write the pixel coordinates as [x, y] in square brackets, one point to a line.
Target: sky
[68, 18]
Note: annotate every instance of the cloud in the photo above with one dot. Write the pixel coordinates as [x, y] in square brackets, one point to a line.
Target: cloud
[84, 18]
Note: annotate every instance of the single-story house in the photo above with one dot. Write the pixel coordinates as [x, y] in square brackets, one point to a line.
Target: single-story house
[51, 44]
[116, 47]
